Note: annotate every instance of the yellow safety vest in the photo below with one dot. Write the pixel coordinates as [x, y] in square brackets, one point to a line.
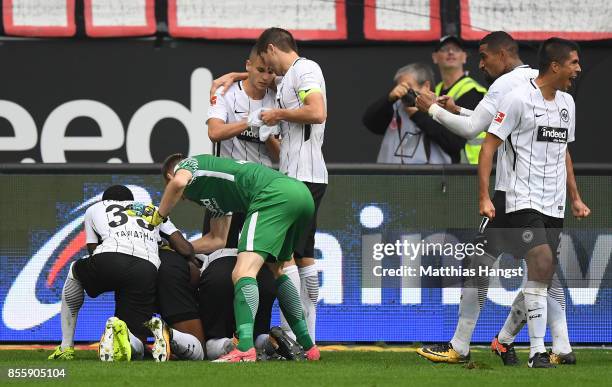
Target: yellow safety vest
[472, 147]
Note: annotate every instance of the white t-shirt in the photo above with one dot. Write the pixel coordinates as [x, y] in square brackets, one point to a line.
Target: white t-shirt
[235, 106]
[107, 224]
[300, 154]
[535, 134]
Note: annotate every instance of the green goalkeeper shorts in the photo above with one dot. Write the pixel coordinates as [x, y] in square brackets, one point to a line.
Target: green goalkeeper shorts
[277, 219]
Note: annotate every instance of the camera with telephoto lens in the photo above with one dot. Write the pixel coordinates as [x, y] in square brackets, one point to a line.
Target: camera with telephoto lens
[409, 99]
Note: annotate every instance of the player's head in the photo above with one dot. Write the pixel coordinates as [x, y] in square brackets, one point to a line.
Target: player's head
[272, 45]
[559, 59]
[449, 53]
[418, 76]
[498, 51]
[260, 75]
[118, 192]
[167, 169]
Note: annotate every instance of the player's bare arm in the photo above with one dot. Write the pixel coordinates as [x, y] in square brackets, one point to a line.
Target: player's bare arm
[219, 130]
[225, 81]
[579, 209]
[313, 112]
[180, 244]
[91, 247]
[216, 238]
[174, 191]
[485, 165]
[273, 146]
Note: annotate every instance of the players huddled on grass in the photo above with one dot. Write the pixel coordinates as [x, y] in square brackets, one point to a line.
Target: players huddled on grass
[215, 295]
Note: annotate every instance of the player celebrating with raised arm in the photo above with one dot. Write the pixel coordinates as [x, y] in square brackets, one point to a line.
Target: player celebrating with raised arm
[536, 121]
[501, 64]
[278, 208]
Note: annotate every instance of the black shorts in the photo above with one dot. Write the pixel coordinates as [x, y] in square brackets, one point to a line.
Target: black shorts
[519, 231]
[132, 279]
[216, 299]
[176, 298]
[306, 246]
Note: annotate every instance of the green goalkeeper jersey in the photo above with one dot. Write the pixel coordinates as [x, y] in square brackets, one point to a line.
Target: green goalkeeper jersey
[224, 185]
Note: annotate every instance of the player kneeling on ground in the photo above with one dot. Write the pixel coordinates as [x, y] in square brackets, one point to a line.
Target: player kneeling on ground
[124, 259]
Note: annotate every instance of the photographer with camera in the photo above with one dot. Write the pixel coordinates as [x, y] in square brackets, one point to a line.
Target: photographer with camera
[411, 136]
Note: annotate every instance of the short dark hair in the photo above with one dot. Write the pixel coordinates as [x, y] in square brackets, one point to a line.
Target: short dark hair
[117, 192]
[280, 38]
[555, 50]
[170, 162]
[253, 54]
[498, 40]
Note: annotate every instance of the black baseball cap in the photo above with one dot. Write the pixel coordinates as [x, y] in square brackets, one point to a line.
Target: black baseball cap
[449, 39]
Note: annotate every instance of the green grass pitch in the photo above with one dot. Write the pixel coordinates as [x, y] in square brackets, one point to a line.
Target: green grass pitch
[336, 368]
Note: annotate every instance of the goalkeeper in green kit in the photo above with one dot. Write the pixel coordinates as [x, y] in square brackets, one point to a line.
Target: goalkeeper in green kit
[278, 209]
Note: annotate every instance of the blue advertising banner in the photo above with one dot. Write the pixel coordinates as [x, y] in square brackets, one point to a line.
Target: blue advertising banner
[41, 234]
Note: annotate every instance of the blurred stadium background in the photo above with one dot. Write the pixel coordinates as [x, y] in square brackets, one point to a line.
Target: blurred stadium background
[96, 92]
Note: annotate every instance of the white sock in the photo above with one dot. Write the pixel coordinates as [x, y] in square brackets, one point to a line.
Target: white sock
[137, 347]
[535, 302]
[309, 294]
[215, 348]
[292, 273]
[469, 310]
[186, 346]
[72, 300]
[515, 321]
[557, 323]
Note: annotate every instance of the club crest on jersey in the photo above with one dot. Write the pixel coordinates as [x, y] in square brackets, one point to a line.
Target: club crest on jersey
[564, 115]
[499, 117]
[550, 134]
[213, 100]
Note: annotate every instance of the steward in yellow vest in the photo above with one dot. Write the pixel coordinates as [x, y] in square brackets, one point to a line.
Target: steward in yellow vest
[466, 91]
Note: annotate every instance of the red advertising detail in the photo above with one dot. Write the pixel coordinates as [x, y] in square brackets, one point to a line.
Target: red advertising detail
[372, 32]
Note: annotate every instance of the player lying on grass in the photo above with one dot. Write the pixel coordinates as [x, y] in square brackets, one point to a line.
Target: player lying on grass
[216, 293]
[278, 209]
[501, 64]
[124, 259]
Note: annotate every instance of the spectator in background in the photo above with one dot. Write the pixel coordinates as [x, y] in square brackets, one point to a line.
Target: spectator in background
[411, 136]
[450, 58]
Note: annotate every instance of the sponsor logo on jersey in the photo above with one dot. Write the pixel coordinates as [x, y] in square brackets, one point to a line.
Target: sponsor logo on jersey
[550, 134]
[212, 206]
[250, 136]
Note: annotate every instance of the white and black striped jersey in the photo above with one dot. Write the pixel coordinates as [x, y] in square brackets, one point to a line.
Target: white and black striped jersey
[536, 133]
[300, 153]
[107, 224]
[502, 86]
[235, 105]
